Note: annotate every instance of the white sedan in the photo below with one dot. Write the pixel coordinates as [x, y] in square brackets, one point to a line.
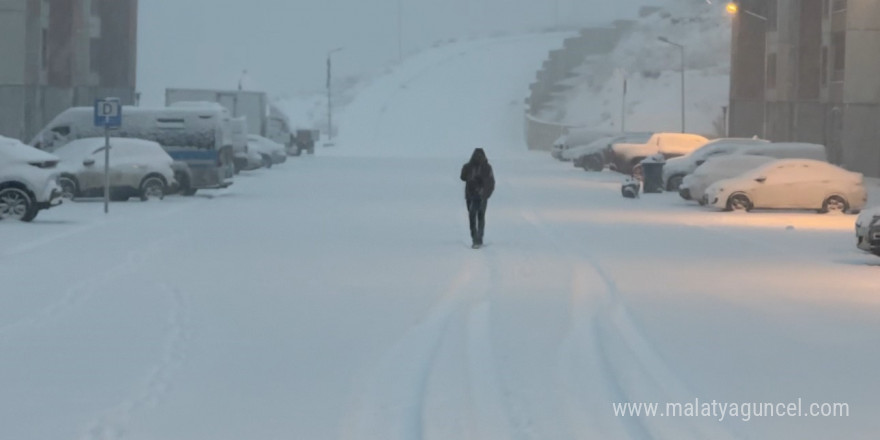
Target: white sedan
[138, 168]
[791, 184]
[694, 185]
[868, 231]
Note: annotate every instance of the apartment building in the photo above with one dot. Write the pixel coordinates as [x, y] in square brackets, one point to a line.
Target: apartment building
[809, 70]
[60, 53]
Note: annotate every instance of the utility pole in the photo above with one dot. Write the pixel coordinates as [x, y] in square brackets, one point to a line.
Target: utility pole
[330, 96]
[623, 101]
[399, 30]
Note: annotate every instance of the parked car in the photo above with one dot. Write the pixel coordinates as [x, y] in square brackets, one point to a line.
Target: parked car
[28, 181]
[693, 186]
[138, 168]
[626, 157]
[576, 137]
[678, 167]
[791, 184]
[195, 134]
[277, 153]
[245, 158]
[868, 231]
[595, 155]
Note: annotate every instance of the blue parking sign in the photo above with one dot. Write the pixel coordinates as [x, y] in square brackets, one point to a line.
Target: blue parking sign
[108, 112]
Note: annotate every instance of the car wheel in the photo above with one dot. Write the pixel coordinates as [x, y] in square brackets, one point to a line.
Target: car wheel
[17, 204]
[703, 200]
[68, 187]
[674, 182]
[739, 202]
[684, 193]
[593, 162]
[834, 204]
[267, 161]
[152, 188]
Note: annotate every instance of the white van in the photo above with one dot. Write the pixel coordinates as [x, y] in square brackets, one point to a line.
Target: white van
[196, 136]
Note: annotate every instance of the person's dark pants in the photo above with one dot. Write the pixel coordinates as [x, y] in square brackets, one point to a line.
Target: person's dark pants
[477, 216]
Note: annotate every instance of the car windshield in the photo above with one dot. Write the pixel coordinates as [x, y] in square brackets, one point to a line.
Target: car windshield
[438, 219]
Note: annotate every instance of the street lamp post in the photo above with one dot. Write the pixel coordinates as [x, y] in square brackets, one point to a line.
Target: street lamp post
[681, 47]
[623, 75]
[399, 30]
[330, 96]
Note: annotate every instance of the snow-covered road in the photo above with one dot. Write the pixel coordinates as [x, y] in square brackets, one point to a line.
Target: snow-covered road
[337, 297]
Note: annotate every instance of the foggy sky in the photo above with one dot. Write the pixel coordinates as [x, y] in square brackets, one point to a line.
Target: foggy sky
[283, 43]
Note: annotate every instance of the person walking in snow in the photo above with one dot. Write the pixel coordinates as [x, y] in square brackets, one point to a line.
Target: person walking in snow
[479, 185]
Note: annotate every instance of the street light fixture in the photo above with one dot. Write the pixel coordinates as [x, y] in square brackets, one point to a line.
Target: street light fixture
[681, 47]
[733, 8]
[330, 97]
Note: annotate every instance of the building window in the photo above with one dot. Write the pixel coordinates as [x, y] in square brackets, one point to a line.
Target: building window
[839, 5]
[772, 13]
[838, 43]
[771, 71]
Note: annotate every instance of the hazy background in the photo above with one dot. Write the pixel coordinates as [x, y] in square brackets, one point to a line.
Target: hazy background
[283, 43]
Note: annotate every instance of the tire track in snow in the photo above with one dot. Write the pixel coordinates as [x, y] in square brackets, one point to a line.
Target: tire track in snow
[633, 371]
[438, 381]
[113, 423]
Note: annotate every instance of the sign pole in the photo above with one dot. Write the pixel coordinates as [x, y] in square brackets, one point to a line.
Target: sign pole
[106, 169]
[108, 114]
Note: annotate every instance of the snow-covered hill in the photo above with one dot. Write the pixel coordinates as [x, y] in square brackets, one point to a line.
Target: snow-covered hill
[652, 69]
[448, 100]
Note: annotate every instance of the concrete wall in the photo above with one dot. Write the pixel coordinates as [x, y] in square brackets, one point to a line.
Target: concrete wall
[861, 93]
[540, 135]
[559, 66]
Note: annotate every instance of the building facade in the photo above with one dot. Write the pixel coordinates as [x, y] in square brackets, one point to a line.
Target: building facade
[61, 53]
[809, 71]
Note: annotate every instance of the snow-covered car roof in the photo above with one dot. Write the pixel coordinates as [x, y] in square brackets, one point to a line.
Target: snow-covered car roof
[744, 162]
[584, 136]
[76, 150]
[264, 143]
[819, 169]
[13, 150]
[604, 142]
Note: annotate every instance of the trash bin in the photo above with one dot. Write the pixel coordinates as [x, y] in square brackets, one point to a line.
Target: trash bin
[630, 188]
[652, 172]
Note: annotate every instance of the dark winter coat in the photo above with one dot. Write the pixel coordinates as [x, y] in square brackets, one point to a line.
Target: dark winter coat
[479, 178]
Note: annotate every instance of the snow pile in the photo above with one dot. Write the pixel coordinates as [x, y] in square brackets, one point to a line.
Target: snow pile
[652, 69]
